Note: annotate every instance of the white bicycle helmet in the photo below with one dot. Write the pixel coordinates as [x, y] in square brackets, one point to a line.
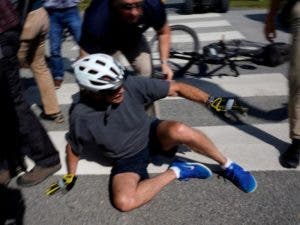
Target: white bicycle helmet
[98, 72]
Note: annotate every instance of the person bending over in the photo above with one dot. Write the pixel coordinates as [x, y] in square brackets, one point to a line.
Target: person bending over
[114, 26]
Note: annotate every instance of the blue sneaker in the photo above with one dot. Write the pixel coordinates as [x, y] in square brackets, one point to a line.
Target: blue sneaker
[191, 170]
[243, 179]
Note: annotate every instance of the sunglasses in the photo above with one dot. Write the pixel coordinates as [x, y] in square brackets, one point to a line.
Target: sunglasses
[130, 6]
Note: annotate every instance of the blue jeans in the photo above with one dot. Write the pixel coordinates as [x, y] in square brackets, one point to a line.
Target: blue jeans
[59, 20]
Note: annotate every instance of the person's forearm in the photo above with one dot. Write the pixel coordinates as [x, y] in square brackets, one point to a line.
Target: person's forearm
[164, 38]
[188, 92]
[72, 160]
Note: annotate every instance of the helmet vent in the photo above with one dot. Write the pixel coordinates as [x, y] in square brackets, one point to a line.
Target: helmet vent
[81, 68]
[96, 83]
[114, 71]
[100, 62]
[106, 78]
[92, 72]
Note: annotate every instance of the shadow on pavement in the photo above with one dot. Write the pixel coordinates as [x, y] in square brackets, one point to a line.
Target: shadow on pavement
[235, 120]
[261, 17]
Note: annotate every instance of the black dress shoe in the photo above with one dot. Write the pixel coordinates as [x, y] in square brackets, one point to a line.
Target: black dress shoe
[290, 158]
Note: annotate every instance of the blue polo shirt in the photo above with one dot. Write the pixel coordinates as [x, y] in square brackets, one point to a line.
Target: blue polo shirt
[102, 30]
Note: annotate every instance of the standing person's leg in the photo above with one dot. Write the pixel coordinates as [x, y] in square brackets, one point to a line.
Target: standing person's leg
[32, 53]
[291, 157]
[72, 21]
[8, 155]
[31, 133]
[55, 39]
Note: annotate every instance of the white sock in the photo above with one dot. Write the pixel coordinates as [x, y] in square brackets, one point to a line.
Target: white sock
[176, 171]
[227, 164]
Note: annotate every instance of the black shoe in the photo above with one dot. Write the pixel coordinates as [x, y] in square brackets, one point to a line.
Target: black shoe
[5, 177]
[55, 117]
[290, 158]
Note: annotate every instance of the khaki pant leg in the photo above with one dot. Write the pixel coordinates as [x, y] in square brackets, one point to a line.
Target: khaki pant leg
[294, 75]
[32, 52]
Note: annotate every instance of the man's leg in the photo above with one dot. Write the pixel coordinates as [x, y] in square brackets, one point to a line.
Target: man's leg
[139, 57]
[170, 134]
[131, 186]
[290, 158]
[129, 192]
[32, 53]
[72, 21]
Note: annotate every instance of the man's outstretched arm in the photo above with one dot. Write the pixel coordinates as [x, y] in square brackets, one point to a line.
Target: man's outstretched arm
[188, 91]
[217, 104]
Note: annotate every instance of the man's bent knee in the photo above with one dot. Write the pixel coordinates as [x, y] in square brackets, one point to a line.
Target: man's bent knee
[124, 203]
[178, 131]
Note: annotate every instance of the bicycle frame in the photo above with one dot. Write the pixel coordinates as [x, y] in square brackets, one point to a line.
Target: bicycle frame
[223, 58]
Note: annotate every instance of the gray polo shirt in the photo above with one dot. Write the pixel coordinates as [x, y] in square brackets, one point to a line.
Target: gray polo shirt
[118, 131]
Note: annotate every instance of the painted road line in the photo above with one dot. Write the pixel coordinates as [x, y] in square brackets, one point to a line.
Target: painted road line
[246, 85]
[204, 24]
[194, 16]
[208, 37]
[256, 147]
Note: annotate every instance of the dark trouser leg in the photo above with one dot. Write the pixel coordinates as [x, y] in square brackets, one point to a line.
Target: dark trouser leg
[31, 133]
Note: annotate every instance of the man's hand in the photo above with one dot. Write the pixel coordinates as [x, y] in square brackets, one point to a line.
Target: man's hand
[270, 29]
[167, 71]
[223, 104]
[63, 184]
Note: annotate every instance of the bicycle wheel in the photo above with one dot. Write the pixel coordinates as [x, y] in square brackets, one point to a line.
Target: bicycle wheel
[184, 45]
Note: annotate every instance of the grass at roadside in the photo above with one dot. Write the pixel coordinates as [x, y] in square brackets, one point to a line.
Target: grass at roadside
[233, 3]
[249, 3]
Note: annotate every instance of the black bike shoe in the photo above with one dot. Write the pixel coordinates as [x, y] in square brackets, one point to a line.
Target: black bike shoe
[55, 117]
[290, 158]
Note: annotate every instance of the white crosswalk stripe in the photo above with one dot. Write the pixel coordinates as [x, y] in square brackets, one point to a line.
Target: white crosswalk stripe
[235, 141]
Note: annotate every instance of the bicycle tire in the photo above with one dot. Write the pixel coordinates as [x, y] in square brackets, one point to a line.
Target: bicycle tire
[184, 40]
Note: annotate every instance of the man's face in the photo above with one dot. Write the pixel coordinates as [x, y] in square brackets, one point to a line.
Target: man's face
[114, 97]
[129, 10]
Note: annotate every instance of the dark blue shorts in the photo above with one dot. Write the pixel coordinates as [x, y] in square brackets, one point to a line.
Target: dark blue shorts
[139, 162]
